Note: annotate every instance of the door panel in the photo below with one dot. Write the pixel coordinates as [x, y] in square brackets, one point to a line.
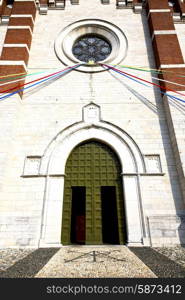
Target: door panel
[109, 215]
[78, 215]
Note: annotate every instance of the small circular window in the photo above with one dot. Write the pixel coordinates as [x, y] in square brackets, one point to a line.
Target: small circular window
[91, 47]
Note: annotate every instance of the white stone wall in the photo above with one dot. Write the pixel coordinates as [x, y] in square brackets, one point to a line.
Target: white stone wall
[180, 29]
[3, 29]
[29, 125]
[175, 113]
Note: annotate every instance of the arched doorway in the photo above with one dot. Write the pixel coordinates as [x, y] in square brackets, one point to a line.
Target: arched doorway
[93, 208]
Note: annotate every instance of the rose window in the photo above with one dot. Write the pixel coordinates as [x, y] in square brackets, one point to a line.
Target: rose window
[91, 48]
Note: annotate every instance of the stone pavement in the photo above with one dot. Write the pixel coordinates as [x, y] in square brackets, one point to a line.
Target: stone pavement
[93, 261]
[88, 261]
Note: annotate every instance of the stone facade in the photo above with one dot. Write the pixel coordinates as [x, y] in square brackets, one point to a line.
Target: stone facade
[40, 129]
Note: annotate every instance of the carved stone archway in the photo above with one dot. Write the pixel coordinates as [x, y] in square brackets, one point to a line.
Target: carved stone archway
[53, 166]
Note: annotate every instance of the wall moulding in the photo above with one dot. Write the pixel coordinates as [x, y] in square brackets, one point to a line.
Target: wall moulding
[70, 34]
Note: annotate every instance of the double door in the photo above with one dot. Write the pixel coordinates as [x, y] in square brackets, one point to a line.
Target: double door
[93, 208]
[109, 216]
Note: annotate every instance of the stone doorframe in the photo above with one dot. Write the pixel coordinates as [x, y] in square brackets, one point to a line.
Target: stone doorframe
[53, 167]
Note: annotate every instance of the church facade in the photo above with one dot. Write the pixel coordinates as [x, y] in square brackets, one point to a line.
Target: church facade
[89, 154]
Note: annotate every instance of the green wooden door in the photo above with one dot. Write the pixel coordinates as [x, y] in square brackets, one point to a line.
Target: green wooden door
[92, 165]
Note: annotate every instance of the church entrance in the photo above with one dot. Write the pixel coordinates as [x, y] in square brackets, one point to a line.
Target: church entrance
[93, 208]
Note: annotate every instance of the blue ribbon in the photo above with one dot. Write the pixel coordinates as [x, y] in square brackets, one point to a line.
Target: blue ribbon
[51, 77]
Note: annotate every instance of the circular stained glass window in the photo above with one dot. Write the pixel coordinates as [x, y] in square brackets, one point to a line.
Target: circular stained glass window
[91, 48]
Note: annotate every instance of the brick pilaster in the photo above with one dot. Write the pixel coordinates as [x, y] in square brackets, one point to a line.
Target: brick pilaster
[169, 57]
[15, 52]
[166, 46]
[5, 11]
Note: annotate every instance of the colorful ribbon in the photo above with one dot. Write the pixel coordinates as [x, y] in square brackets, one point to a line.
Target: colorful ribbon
[40, 80]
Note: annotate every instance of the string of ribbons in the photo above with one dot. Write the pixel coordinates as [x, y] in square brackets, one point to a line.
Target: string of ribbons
[14, 78]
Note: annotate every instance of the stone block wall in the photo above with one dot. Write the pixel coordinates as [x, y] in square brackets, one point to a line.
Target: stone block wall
[31, 124]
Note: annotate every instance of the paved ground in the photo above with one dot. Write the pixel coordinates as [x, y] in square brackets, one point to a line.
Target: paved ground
[163, 265]
[93, 261]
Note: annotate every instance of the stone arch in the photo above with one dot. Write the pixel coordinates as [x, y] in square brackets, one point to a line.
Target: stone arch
[130, 155]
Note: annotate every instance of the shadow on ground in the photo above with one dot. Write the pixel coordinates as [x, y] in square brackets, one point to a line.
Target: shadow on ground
[30, 265]
[159, 264]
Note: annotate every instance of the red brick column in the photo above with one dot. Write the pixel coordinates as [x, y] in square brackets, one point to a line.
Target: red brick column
[2, 6]
[168, 57]
[15, 52]
[137, 6]
[5, 11]
[166, 47]
[43, 7]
